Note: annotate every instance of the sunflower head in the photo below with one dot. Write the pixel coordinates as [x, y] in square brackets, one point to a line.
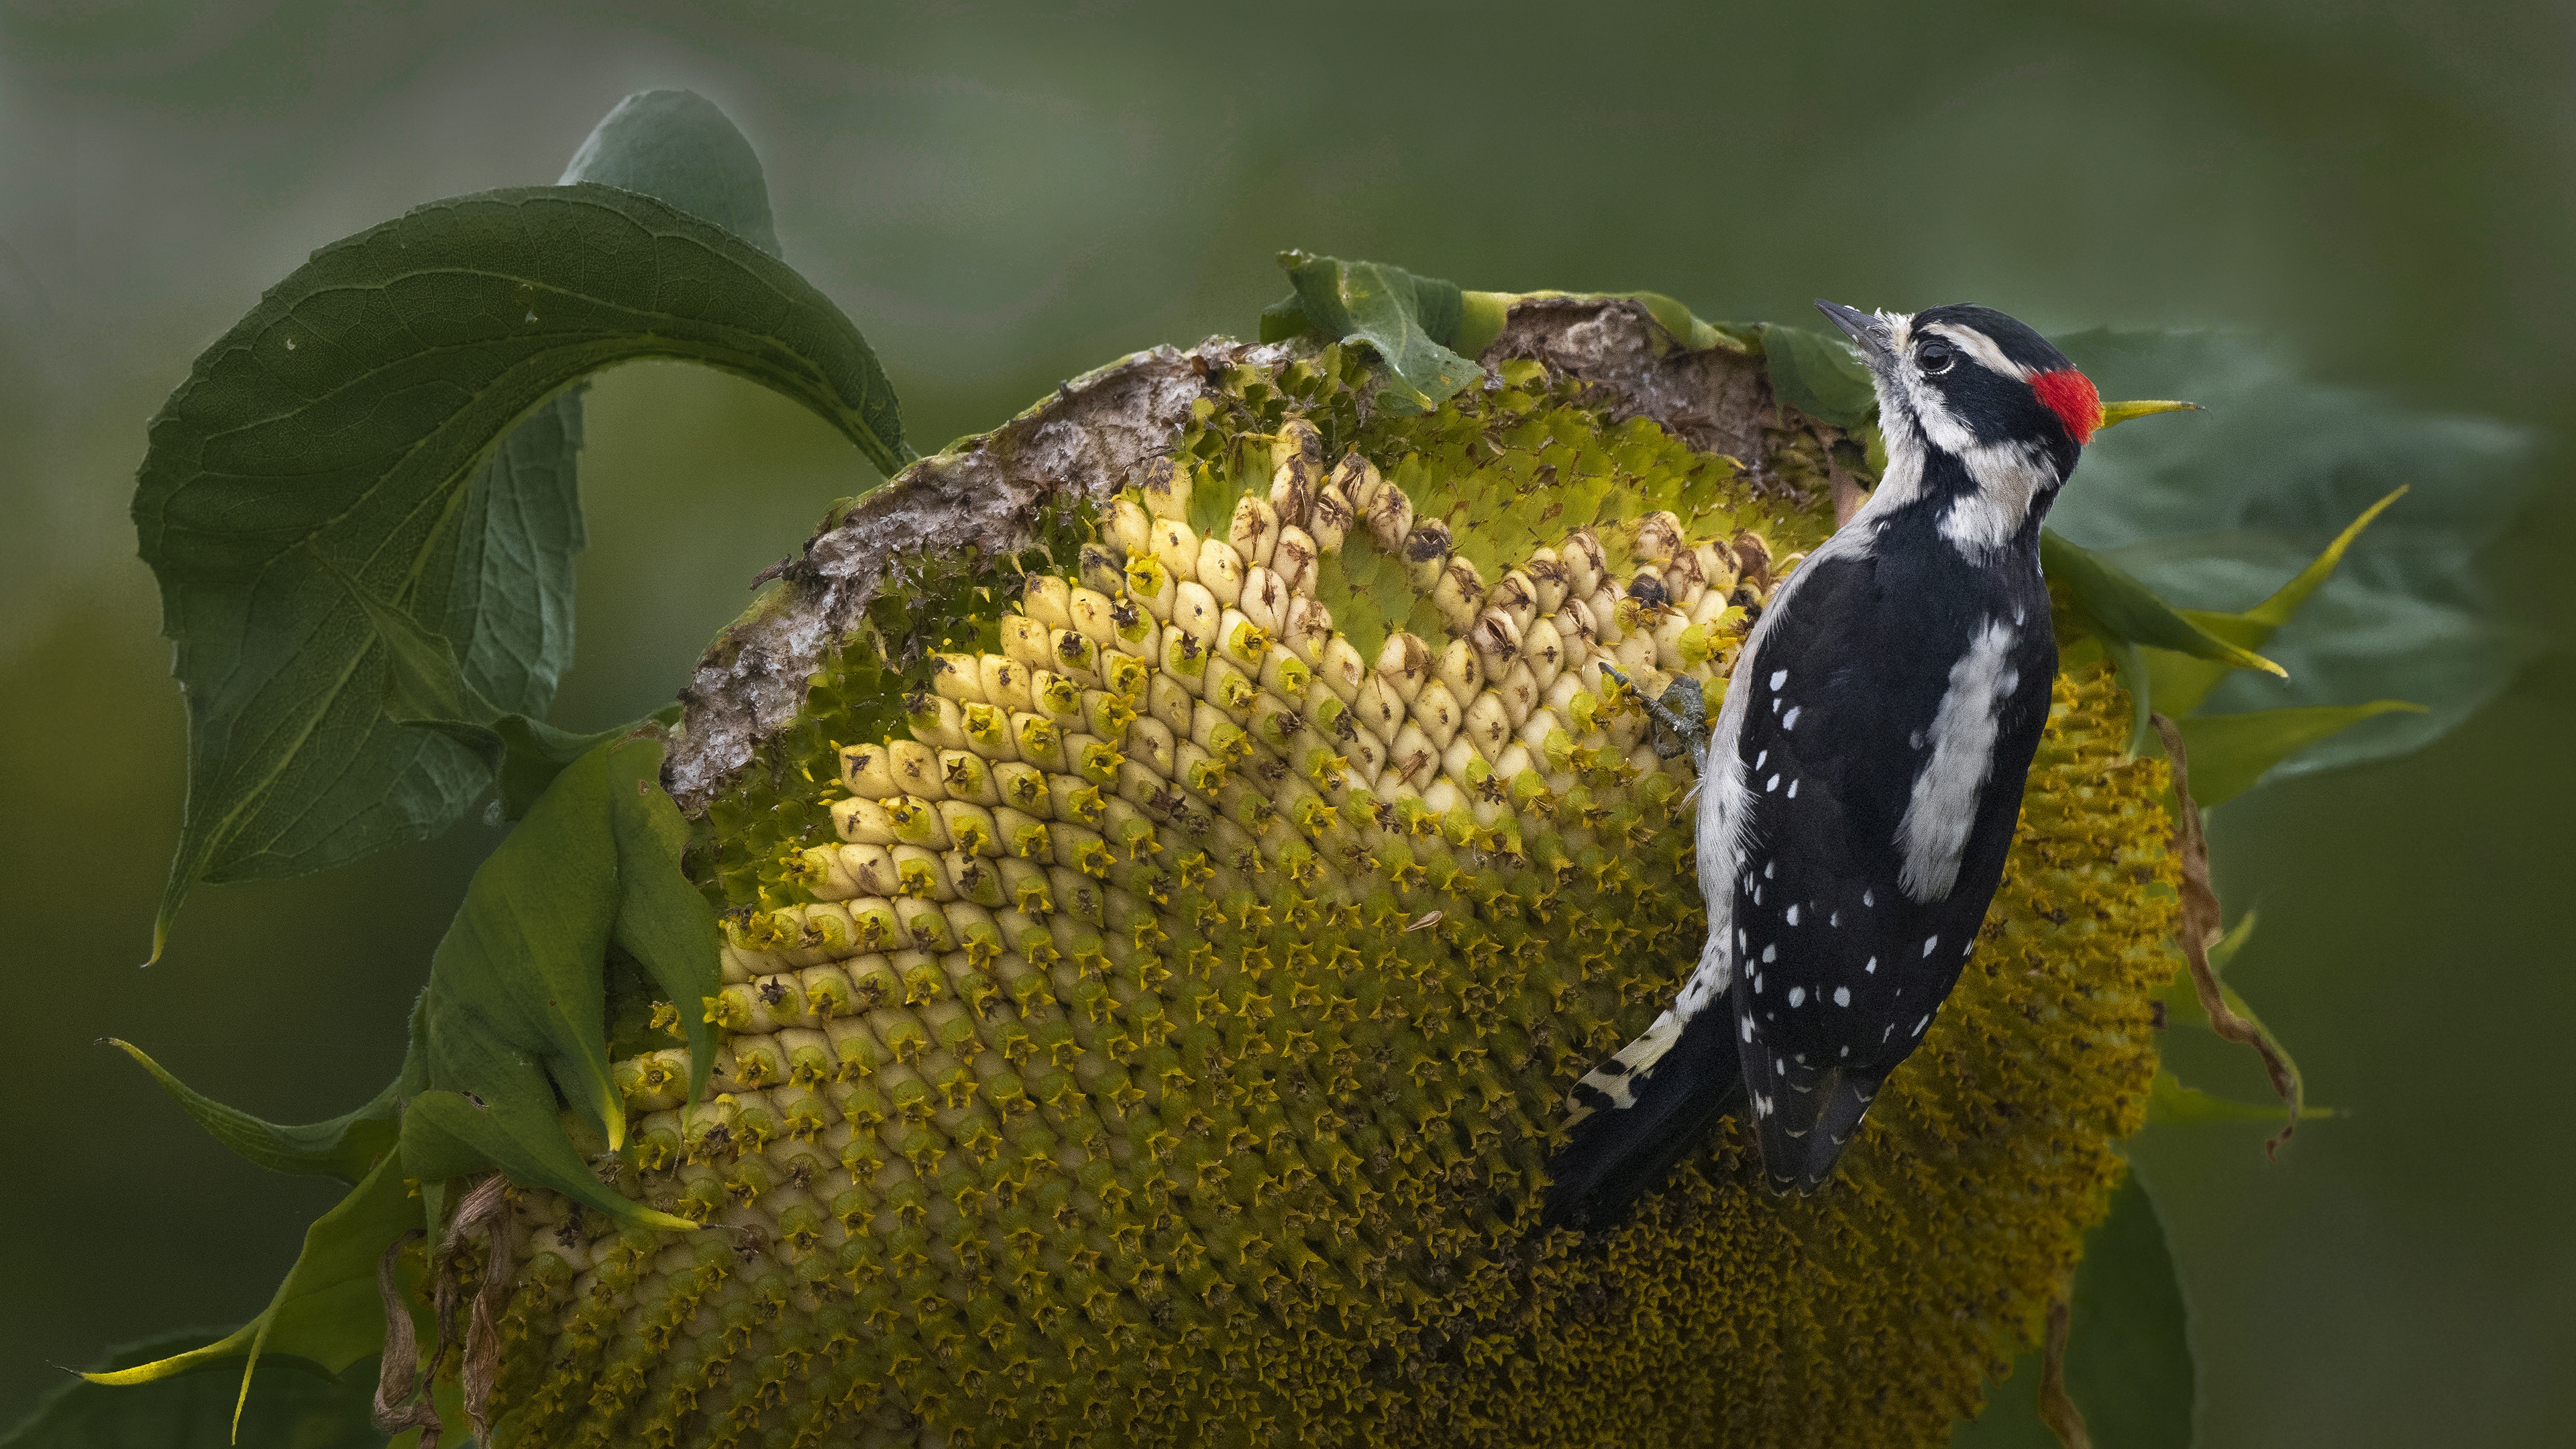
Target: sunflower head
[1160, 942]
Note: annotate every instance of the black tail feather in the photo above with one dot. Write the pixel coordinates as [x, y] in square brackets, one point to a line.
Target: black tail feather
[1618, 1154]
[1804, 1133]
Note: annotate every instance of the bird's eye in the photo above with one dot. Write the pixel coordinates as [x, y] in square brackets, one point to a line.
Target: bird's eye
[1935, 355]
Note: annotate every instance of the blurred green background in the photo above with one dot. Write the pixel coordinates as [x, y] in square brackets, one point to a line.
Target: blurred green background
[1001, 196]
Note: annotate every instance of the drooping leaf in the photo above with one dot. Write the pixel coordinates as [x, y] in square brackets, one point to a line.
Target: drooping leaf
[498, 582]
[2218, 511]
[343, 418]
[499, 585]
[327, 1310]
[303, 1410]
[344, 1147]
[2182, 682]
[1401, 315]
[1818, 375]
[2126, 610]
[2231, 753]
[2129, 1365]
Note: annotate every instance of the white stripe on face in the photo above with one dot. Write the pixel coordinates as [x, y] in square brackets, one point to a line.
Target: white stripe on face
[1981, 348]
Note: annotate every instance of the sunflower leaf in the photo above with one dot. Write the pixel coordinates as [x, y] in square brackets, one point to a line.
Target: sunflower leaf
[2221, 509]
[2181, 682]
[2125, 610]
[1405, 317]
[344, 420]
[519, 978]
[661, 919]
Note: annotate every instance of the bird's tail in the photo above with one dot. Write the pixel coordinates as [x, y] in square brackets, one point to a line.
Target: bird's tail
[1640, 1113]
[1806, 1118]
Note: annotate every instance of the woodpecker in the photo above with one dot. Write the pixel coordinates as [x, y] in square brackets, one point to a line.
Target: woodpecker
[1860, 787]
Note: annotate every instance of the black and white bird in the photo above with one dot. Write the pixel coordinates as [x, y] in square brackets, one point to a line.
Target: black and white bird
[1860, 788]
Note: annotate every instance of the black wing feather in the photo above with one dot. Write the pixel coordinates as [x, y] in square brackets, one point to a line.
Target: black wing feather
[1618, 1154]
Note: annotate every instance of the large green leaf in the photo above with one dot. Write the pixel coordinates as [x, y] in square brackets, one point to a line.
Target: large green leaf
[309, 1410]
[498, 585]
[1405, 317]
[328, 1311]
[344, 1147]
[2128, 1356]
[342, 420]
[2220, 511]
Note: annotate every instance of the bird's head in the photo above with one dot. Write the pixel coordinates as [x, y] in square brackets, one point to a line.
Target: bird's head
[1971, 385]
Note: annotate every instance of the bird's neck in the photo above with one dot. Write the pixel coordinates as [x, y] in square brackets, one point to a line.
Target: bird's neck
[1981, 499]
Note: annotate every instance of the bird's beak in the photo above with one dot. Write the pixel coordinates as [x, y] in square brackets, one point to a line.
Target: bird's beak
[1862, 328]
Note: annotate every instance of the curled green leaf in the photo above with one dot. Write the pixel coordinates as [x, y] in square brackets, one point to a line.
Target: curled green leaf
[662, 921]
[1405, 317]
[520, 975]
[343, 419]
[516, 1008]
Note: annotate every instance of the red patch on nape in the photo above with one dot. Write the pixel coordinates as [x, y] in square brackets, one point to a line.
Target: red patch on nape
[2070, 395]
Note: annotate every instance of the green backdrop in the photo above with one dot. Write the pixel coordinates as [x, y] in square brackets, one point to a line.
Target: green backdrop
[1002, 196]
